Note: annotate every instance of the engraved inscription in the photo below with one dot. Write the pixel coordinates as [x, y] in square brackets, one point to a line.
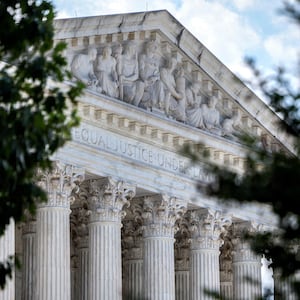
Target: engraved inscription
[137, 151]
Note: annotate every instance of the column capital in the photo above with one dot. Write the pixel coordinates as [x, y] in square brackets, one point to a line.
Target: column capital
[226, 259]
[107, 197]
[182, 244]
[80, 227]
[59, 182]
[206, 227]
[160, 213]
[132, 239]
[241, 248]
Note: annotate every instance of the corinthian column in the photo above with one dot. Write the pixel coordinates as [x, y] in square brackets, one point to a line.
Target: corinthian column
[106, 200]
[226, 278]
[182, 257]
[246, 265]
[53, 234]
[29, 259]
[206, 227]
[160, 214]
[83, 254]
[7, 249]
[132, 241]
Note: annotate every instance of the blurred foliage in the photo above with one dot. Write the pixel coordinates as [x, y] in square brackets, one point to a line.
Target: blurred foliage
[271, 178]
[33, 107]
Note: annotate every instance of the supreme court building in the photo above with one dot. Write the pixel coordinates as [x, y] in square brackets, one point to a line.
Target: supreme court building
[124, 219]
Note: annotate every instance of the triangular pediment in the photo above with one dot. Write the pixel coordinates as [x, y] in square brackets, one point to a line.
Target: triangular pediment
[149, 60]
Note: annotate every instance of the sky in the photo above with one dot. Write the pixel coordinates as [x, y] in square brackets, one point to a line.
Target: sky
[230, 29]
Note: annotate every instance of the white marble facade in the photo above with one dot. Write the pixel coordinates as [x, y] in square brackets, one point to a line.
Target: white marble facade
[124, 219]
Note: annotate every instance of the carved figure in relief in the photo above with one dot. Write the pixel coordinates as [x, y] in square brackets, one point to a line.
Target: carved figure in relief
[194, 111]
[150, 75]
[118, 58]
[230, 126]
[211, 116]
[106, 73]
[82, 67]
[174, 101]
[131, 88]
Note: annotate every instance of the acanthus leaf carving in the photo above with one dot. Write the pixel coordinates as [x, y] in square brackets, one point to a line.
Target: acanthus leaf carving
[160, 214]
[60, 184]
[107, 198]
[206, 227]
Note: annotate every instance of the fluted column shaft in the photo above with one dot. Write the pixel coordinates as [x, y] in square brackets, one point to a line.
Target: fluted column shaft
[106, 200]
[53, 235]
[83, 263]
[204, 273]
[159, 272]
[105, 281]
[29, 260]
[7, 249]
[159, 276]
[246, 266]
[182, 284]
[283, 288]
[53, 253]
[206, 227]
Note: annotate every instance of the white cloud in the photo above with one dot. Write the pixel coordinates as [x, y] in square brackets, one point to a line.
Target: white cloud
[221, 30]
[282, 47]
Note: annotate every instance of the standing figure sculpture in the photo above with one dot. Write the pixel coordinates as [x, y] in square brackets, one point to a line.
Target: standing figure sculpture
[106, 73]
[194, 111]
[174, 101]
[82, 68]
[149, 73]
[131, 88]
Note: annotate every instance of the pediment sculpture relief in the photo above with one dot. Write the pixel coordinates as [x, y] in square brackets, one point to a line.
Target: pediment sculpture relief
[142, 74]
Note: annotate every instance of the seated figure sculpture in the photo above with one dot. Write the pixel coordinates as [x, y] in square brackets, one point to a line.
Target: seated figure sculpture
[82, 68]
[211, 116]
[131, 88]
[194, 111]
[150, 75]
[106, 73]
